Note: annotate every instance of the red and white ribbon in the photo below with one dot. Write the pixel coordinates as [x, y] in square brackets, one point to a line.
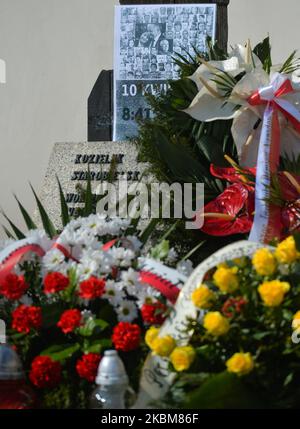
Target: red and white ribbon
[266, 225]
[13, 254]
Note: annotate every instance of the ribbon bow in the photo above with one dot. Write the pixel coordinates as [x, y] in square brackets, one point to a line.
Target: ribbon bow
[267, 217]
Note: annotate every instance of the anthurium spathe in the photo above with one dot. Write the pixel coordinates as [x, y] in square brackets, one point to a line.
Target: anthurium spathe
[230, 213]
[236, 174]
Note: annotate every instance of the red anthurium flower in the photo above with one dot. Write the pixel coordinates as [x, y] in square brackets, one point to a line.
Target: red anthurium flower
[290, 193]
[230, 213]
[245, 176]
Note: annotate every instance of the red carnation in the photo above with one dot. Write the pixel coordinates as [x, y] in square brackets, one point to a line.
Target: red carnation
[87, 366]
[45, 372]
[69, 320]
[55, 282]
[154, 314]
[126, 336]
[233, 306]
[13, 286]
[25, 318]
[92, 288]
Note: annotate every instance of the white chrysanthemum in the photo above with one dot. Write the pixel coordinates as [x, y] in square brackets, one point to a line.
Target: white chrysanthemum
[86, 269]
[122, 257]
[146, 295]
[113, 292]
[63, 268]
[117, 225]
[40, 237]
[130, 277]
[126, 311]
[69, 237]
[52, 260]
[103, 260]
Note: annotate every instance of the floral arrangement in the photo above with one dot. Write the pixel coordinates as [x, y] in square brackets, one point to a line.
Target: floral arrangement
[67, 299]
[208, 129]
[244, 344]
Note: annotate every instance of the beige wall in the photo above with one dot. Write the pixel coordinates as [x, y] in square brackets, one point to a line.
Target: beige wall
[54, 50]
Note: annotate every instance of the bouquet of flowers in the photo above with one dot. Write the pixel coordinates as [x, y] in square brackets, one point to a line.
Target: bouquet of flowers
[242, 348]
[67, 299]
[232, 122]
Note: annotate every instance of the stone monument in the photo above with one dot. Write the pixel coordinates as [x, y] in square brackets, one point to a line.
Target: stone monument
[71, 162]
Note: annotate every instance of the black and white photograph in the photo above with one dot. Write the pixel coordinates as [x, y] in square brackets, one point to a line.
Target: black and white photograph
[147, 40]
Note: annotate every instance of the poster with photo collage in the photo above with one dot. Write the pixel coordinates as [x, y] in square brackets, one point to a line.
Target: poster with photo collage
[147, 39]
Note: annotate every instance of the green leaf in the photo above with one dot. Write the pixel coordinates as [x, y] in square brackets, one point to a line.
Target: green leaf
[288, 379]
[263, 52]
[61, 352]
[223, 391]
[92, 325]
[191, 252]
[27, 218]
[65, 218]
[8, 233]
[261, 335]
[148, 230]
[183, 166]
[88, 198]
[291, 64]
[161, 250]
[96, 346]
[19, 234]
[212, 150]
[47, 224]
[51, 314]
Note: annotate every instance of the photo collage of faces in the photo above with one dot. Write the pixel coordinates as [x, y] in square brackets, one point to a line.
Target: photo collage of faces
[151, 36]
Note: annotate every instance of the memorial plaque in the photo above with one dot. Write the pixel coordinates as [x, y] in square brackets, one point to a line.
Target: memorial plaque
[147, 39]
[72, 162]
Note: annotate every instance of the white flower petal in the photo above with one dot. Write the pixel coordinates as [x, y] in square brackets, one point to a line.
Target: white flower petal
[206, 108]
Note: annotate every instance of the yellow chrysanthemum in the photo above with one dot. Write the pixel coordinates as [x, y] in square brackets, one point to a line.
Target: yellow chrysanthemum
[151, 335]
[264, 262]
[286, 251]
[163, 346]
[296, 320]
[182, 357]
[272, 293]
[226, 279]
[240, 364]
[202, 297]
[216, 324]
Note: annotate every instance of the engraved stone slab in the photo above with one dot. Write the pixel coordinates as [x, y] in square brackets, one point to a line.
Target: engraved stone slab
[71, 163]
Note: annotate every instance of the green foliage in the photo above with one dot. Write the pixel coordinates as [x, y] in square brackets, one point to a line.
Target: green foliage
[47, 223]
[161, 250]
[27, 218]
[19, 234]
[92, 326]
[65, 218]
[263, 51]
[61, 352]
[181, 149]
[291, 64]
[223, 391]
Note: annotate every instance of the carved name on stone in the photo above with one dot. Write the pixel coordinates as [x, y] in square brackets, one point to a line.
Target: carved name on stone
[72, 163]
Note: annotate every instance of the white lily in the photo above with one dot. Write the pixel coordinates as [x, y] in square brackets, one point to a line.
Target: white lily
[209, 104]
